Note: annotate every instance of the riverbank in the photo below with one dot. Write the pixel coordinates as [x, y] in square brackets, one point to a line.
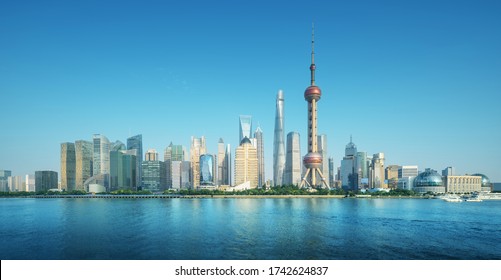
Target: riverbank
[175, 196]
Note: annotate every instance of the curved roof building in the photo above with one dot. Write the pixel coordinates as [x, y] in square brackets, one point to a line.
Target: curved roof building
[429, 181]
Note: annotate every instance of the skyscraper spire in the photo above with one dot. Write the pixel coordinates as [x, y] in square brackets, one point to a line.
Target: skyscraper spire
[312, 66]
[278, 142]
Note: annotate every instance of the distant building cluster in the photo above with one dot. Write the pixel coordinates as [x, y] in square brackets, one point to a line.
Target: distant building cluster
[359, 171]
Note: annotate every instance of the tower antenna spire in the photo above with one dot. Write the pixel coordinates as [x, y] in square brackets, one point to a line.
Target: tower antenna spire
[312, 66]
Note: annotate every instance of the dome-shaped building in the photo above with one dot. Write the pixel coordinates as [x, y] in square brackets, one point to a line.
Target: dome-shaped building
[429, 181]
[486, 183]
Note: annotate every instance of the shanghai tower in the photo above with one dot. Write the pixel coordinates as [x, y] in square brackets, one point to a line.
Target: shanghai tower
[278, 142]
[312, 160]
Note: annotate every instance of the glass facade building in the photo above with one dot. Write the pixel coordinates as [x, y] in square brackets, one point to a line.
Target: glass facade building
[429, 181]
[45, 180]
[207, 169]
[222, 167]
[245, 123]
[4, 184]
[197, 148]
[349, 175]
[136, 143]
[258, 135]
[68, 166]
[123, 170]
[154, 176]
[322, 149]
[292, 175]
[101, 155]
[83, 163]
[278, 141]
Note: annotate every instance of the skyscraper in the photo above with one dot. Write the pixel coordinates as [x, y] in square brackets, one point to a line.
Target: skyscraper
[229, 164]
[245, 127]
[136, 143]
[197, 148]
[260, 156]
[349, 174]
[16, 184]
[45, 180]
[222, 167]
[83, 158]
[173, 153]
[322, 149]
[68, 166]
[331, 172]
[30, 182]
[123, 170]
[313, 161]
[246, 168]
[154, 172]
[376, 180]
[278, 141]
[151, 155]
[207, 170]
[4, 177]
[101, 155]
[292, 174]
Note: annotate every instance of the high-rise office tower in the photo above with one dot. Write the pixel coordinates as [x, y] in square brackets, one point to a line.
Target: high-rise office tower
[331, 172]
[222, 167]
[322, 149]
[101, 155]
[151, 155]
[4, 177]
[173, 153]
[245, 123]
[83, 163]
[68, 166]
[186, 175]
[45, 180]
[30, 182]
[123, 169]
[117, 146]
[292, 175]
[16, 184]
[246, 168]
[229, 164]
[361, 169]
[376, 180]
[258, 135]
[174, 177]
[391, 175]
[136, 143]
[313, 161]
[154, 172]
[207, 170]
[278, 141]
[197, 148]
[349, 174]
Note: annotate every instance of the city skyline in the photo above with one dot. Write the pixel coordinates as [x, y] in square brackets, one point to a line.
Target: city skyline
[407, 80]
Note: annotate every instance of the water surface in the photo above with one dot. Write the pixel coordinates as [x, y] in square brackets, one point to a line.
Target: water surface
[299, 228]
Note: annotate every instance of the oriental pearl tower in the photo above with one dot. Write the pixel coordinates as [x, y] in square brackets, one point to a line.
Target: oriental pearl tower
[312, 160]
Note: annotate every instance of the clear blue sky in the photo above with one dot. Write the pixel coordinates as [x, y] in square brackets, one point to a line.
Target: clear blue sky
[417, 80]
